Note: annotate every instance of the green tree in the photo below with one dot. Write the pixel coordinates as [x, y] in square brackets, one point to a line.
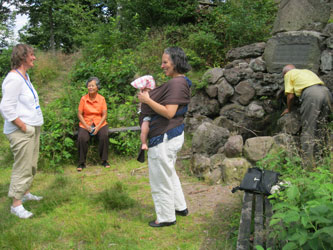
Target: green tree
[157, 12]
[240, 22]
[58, 24]
[7, 18]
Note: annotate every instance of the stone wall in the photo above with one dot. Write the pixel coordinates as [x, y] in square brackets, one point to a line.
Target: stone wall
[235, 119]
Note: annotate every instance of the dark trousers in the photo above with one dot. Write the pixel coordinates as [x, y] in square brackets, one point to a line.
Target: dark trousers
[83, 143]
[316, 106]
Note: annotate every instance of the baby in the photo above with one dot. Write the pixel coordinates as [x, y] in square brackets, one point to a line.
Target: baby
[144, 83]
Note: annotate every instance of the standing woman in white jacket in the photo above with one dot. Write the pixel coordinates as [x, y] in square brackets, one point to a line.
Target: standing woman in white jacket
[23, 118]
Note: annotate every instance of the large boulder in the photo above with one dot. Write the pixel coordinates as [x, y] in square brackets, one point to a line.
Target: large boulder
[247, 51]
[211, 90]
[224, 91]
[286, 142]
[192, 123]
[208, 138]
[214, 176]
[294, 15]
[208, 168]
[236, 74]
[290, 123]
[200, 165]
[264, 89]
[274, 78]
[328, 32]
[213, 75]
[232, 75]
[244, 93]
[234, 146]
[203, 105]
[255, 110]
[234, 169]
[216, 160]
[256, 148]
[224, 122]
[258, 64]
[245, 120]
[234, 112]
[326, 61]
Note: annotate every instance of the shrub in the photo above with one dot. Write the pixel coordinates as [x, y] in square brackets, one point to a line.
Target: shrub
[205, 45]
[4, 63]
[6, 157]
[122, 112]
[303, 212]
[46, 68]
[303, 209]
[237, 23]
[114, 73]
[57, 138]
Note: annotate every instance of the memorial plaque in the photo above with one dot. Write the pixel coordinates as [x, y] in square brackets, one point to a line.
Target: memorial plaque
[300, 48]
[296, 53]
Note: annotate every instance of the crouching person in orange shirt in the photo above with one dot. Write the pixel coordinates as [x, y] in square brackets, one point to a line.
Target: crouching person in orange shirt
[92, 114]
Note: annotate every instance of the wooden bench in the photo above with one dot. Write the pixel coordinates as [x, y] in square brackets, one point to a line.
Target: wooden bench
[253, 228]
[117, 130]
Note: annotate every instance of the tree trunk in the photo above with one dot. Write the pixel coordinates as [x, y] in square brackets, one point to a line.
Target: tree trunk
[51, 22]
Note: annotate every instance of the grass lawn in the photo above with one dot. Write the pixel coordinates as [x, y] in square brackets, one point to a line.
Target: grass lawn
[104, 209]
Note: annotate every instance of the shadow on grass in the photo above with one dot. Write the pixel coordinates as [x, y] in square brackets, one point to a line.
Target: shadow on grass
[58, 193]
[117, 199]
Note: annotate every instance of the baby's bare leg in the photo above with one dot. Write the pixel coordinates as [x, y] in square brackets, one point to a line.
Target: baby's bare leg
[144, 135]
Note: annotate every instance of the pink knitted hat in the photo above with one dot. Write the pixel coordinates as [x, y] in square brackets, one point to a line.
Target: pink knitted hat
[142, 82]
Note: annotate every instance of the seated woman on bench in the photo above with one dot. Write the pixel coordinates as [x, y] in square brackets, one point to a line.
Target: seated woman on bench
[92, 114]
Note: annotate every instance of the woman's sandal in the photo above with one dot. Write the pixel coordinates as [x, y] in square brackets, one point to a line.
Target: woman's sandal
[105, 164]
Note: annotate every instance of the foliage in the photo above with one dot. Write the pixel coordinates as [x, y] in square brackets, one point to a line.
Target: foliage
[57, 138]
[241, 22]
[115, 73]
[244, 21]
[157, 12]
[6, 157]
[123, 113]
[5, 63]
[108, 39]
[6, 24]
[303, 210]
[46, 68]
[204, 44]
[58, 25]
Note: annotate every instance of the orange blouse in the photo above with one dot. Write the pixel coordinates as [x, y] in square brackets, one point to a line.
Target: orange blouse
[92, 110]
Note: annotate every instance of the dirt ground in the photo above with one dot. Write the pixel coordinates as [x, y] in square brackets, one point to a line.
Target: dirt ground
[203, 198]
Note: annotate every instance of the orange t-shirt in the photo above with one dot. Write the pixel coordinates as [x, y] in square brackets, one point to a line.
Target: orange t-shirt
[92, 110]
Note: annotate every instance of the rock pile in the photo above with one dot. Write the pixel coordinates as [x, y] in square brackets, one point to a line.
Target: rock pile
[235, 119]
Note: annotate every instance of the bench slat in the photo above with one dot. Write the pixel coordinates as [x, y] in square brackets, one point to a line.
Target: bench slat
[114, 130]
[258, 220]
[243, 241]
[268, 216]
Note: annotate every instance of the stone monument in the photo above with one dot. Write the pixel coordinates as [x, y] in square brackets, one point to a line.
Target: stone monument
[297, 35]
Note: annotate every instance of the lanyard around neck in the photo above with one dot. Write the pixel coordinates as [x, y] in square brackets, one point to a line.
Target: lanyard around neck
[28, 83]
